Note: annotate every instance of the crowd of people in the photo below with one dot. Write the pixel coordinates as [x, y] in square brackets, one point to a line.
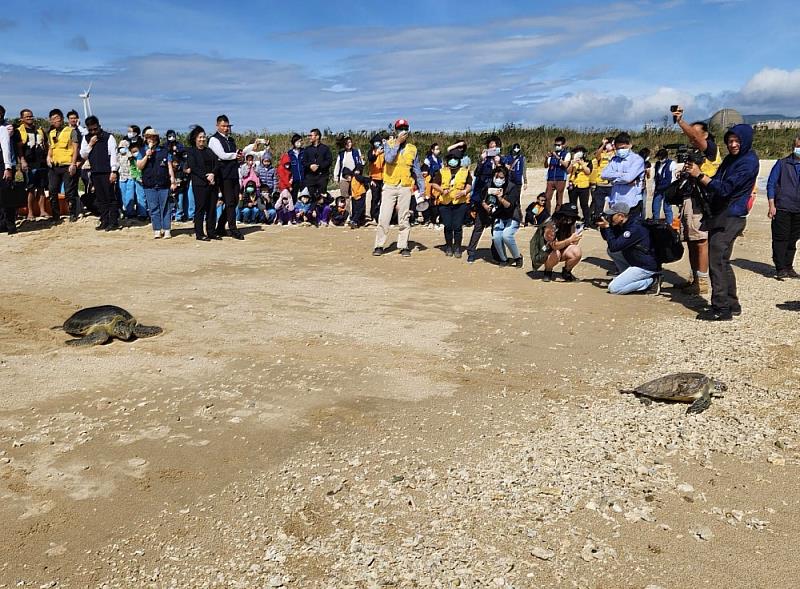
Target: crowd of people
[217, 185]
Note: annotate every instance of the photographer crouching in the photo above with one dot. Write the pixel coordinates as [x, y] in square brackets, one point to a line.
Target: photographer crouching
[728, 193]
[625, 235]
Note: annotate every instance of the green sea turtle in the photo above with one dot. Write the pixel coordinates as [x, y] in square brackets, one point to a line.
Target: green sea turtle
[682, 387]
[97, 325]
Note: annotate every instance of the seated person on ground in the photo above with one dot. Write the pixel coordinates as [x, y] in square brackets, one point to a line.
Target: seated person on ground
[536, 212]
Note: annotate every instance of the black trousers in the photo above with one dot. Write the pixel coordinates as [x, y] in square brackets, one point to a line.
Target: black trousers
[599, 196]
[482, 221]
[317, 185]
[376, 191]
[105, 198]
[56, 176]
[359, 206]
[8, 215]
[785, 233]
[720, 249]
[453, 217]
[581, 195]
[205, 209]
[230, 198]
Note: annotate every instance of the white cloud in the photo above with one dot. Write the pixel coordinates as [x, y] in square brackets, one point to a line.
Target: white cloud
[772, 85]
[339, 88]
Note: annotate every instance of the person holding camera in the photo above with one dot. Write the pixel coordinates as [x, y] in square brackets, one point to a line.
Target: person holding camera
[401, 172]
[783, 193]
[666, 172]
[561, 238]
[600, 188]
[158, 178]
[557, 162]
[627, 237]
[502, 201]
[692, 211]
[375, 159]
[579, 178]
[453, 185]
[99, 147]
[729, 195]
[202, 166]
[224, 147]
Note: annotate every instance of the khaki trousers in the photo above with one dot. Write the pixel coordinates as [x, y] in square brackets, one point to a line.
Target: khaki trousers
[400, 197]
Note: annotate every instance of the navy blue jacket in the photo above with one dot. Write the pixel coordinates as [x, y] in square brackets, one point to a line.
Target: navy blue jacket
[731, 187]
[632, 240]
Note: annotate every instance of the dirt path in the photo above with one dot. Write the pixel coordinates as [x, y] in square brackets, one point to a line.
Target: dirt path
[314, 416]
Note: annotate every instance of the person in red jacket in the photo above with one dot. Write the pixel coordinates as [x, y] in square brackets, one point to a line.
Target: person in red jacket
[284, 173]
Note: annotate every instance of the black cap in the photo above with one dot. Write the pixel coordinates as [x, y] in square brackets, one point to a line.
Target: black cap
[567, 210]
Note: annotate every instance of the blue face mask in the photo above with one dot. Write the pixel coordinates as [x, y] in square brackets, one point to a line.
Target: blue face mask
[797, 152]
[623, 152]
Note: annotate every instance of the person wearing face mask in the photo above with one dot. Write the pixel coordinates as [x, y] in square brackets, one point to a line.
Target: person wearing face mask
[600, 188]
[783, 193]
[99, 147]
[433, 159]
[126, 184]
[630, 240]
[625, 171]
[730, 192]
[453, 189]
[502, 200]
[158, 177]
[297, 173]
[61, 153]
[134, 134]
[202, 166]
[557, 162]
[579, 177]
[666, 172]
[376, 161]
[515, 162]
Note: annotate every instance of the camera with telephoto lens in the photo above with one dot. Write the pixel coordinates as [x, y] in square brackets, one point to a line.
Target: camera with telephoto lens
[687, 154]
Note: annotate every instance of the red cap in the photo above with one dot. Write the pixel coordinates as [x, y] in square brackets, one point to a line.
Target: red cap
[401, 123]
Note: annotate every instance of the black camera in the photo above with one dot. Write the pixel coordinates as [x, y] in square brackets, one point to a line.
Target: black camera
[687, 154]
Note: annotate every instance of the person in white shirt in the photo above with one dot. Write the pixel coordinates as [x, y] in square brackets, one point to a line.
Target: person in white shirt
[99, 148]
[8, 160]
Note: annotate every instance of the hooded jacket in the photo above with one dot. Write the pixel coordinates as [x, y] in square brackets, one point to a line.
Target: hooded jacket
[285, 174]
[732, 185]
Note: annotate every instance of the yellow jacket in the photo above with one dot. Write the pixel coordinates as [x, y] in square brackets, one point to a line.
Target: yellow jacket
[454, 184]
[398, 173]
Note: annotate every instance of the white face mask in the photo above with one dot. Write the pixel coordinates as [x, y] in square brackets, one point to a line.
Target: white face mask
[578, 155]
[131, 135]
[797, 152]
[498, 182]
[623, 152]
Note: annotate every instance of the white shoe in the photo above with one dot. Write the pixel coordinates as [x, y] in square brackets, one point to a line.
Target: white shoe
[167, 234]
[156, 234]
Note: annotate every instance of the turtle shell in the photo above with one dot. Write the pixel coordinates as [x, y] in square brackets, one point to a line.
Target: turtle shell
[81, 322]
[682, 386]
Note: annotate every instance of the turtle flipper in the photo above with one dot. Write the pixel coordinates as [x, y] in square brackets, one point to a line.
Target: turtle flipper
[146, 330]
[700, 405]
[93, 339]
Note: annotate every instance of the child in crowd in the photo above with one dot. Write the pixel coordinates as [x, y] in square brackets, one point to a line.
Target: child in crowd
[536, 212]
[267, 175]
[248, 173]
[358, 192]
[305, 211]
[249, 211]
[284, 208]
[431, 215]
[268, 206]
[339, 211]
[322, 209]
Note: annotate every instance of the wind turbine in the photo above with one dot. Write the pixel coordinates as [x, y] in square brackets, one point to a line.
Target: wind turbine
[87, 106]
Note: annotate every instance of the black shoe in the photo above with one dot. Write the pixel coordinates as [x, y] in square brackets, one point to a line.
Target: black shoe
[547, 276]
[236, 234]
[781, 274]
[113, 228]
[378, 251]
[612, 273]
[713, 314]
[215, 237]
[222, 232]
[448, 251]
[73, 218]
[655, 287]
[405, 252]
[457, 253]
[791, 273]
[567, 275]
[101, 227]
[202, 238]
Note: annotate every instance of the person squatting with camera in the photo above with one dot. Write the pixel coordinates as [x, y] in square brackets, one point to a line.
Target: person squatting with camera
[629, 242]
[557, 240]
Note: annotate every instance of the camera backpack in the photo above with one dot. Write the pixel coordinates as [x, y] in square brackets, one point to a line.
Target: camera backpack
[665, 241]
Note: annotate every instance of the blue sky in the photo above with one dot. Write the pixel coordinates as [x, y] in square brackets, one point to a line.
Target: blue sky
[359, 65]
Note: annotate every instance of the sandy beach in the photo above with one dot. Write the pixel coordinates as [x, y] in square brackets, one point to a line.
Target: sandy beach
[313, 416]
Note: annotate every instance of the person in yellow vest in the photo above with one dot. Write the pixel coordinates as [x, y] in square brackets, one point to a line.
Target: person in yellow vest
[691, 211]
[63, 150]
[401, 173]
[600, 188]
[358, 193]
[578, 181]
[454, 187]
[32, 151]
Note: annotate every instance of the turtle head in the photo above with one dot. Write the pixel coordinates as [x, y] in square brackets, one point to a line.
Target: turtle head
[719, 387]
[122, 329]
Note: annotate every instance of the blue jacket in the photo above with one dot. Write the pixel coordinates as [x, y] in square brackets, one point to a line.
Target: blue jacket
[783, 185]
[732, 185]
[296, 166]
[632, 240]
